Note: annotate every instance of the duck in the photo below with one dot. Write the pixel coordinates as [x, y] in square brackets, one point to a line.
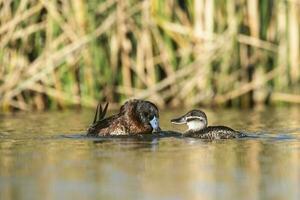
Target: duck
[135, 117]
[196, 120]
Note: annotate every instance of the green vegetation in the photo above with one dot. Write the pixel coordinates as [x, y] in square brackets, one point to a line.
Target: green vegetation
[59, 53]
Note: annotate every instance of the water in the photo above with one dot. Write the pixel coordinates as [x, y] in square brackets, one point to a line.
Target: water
[45, 156]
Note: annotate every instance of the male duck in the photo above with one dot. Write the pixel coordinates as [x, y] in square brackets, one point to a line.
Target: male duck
[135, 117]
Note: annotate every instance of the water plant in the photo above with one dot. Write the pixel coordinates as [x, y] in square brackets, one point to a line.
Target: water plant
[59, 53]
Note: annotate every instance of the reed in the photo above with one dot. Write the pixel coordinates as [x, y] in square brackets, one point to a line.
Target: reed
[60, 53]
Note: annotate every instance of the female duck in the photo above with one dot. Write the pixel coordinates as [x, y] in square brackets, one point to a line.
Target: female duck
[196, 121]
[135, 117]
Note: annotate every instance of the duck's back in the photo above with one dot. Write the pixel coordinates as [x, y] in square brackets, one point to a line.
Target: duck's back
[116, 125]
[215, 132]
[111, 125]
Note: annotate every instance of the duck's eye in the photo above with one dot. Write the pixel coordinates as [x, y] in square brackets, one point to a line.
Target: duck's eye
[150, 116]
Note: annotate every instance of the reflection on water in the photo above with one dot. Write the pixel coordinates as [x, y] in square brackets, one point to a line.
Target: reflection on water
[37, 161]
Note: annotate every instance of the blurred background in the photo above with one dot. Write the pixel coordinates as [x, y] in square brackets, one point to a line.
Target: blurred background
[233, 53]
[60, 54]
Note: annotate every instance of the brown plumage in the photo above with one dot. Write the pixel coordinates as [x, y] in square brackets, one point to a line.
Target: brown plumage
[135, 117]
[197, 123]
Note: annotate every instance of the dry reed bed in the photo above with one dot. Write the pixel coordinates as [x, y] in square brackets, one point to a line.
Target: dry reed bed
[59, 53]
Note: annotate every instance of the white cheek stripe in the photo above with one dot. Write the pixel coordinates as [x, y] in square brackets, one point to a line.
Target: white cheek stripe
[195, 125]
[193, 117]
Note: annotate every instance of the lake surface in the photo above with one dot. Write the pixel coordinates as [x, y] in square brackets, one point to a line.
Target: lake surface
[45, 156]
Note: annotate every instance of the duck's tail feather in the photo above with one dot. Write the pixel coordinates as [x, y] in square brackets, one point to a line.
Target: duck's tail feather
[103, 112]
[100, 113]
[96, 114]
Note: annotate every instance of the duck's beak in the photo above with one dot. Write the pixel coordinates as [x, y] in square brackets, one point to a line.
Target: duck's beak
[179, 120]
[155, 124]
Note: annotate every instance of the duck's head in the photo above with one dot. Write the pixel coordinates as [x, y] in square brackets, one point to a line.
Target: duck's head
[143, 111]
[194, 119]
